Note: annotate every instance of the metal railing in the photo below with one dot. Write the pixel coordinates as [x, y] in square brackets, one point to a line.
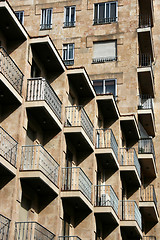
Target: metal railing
[130, 212]
[145, 21]
[8, 147]
[128, 157]
[32, 231]
[105, 196]
[4, 227]
[145, 102]
[69, 24]
[37, 158]
[69, 238]
[104, 59]
[45, 26]
[76, 116]
[73, 178]
[149, 238]
[38, 89]
[10, 70]
[145, 60]
[148, 194]
[104, 20]
[145, 145]
[69, 62]
[106, 139]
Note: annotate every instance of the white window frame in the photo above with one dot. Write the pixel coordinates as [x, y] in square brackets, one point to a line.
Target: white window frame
[44, 15]
[107, 80]
[67, 48]
[19, 13]
[98, 20]
[69, 23]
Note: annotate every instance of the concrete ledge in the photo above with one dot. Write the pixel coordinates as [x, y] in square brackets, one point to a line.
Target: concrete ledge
[133, 224]
[8, 165]
[153, 208]
[106, 151]
[131, 169]
[106, 209]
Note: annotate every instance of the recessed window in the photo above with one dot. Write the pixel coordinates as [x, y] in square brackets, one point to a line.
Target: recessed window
[20, 16]
[104, 51]
[105, 12]
[68, 54]
[46, 19]
[105, 86]
[69, 16]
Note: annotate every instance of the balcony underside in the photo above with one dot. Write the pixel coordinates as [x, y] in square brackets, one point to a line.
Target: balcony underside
[148, 165]
[149, 212]
[76, 199]
[131, 230]
[145, 40]
[146, 118]
[7, 171]
[107, 215]
[78, 137]
[130, 176]
[43, 114]
[8, 94]
[146, 80]
[107, 157]
[39, 182]
[130, 127]
[108, 107]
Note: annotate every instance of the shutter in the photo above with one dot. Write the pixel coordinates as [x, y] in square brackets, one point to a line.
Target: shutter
[104, 50]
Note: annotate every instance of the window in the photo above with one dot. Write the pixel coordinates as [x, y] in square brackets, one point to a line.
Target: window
[69, 16]
[20, 16]
[46, 18]
[105, 12]
[107, 86]
[68, 53]
[104, 51]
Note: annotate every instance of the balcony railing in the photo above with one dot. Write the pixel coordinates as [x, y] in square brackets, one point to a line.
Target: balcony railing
[148, 194]
[145, 21]
[76, 116]
[105, 196]
[73, 178]
[37, 158]
[145, 102]
[69, 62]
[4, 227]
[145, 60]
[128, 157]
[130, 212]
[8, 147]
[106, 139]
[104, 20]
[39, 89]
[45, 26]
[145, 145]
[149, 238]
[69, 238]
[10, 70]
[32, 231]
[69, 24]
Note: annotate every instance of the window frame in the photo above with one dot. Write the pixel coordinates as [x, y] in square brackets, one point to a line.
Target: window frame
[44, 18]
[105, 21]
[103, 86]
[69, 23]
[18, 13]
[68, 61]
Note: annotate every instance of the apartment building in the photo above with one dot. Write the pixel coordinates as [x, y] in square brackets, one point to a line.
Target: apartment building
[79, 120]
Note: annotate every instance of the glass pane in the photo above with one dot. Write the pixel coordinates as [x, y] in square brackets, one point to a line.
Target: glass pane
[67, 14]
[98, 86]
[71, 51]
[101, 11]
[96, 11]
[65, 53]
[110, 87]
[72, 14]
[107, 12]
[113, 11]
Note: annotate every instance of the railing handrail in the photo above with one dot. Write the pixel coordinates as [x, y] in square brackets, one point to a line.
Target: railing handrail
[5, 217]
[70, 237]
[8, 135]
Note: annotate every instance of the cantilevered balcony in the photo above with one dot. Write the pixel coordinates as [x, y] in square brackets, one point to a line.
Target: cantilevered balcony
[69, 238]
[146, 114]
[148, 204]
[11, 79]
[76, 187]
[146, 74]
[130, 167]
[149, 238]
[4, 227]
[106, 147]
[106, 204]
[78, 127]
[39, 169]
[8, 154]
[43, 103]
[131, 219]
[31, 231]
[146, 156]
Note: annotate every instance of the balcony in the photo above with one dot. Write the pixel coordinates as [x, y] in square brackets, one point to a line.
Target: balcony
[79, 128]
[69, 24]
[39, 169]
[4, 227]
[104, 20]
[148, 204]
[8, 154]
[11, 79]
[31, 231]
[43, 103]
[146, 74]
[131, 220]
[81, 83]
[106, 148]
[130, 167]
[106, 204]
[76, 187]
[149, 238]
[146, 156]
[146, 114]
[69, 238]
